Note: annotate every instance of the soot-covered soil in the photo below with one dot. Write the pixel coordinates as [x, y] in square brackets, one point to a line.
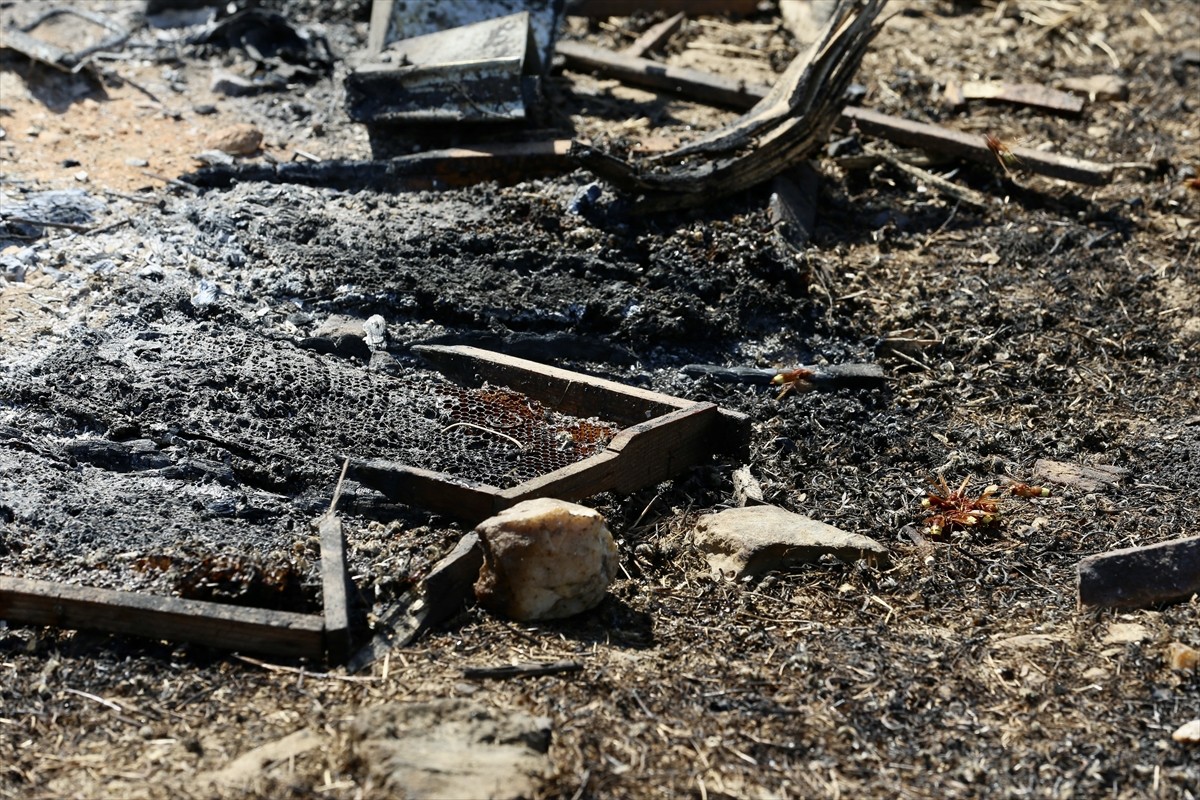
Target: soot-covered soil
[178, 388]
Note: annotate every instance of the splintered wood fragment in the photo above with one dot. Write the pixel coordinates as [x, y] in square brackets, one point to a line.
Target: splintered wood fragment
[1025, 94]
[447, 588]
[257, 630]
[793, 205]
[1081, 476]
[526, 670]
[656, 36]
[1137, 577]
[785, 128]
[335, 584]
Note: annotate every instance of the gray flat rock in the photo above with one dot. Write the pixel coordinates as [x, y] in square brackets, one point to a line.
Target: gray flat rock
[450, 749]
[750, 541]
[1137, 577]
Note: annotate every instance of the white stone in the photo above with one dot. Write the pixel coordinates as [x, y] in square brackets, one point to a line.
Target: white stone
[1188, 733]
[545, 559]
[749, 541]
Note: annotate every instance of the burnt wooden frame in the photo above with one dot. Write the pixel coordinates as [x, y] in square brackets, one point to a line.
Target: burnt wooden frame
[663, 436]
[217, 625]
[265, 631]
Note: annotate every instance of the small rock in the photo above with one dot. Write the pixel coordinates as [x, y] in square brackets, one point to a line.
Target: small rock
[237, 140]
[136, 162]
[210, 158]
[451, 748]
[251, 766]
[1188, 733]
[1182, 657]
[204, 109]
[545, 559]
[1137, 577]
[375, 329]
[1125, 633]
[231, 85]
[1104, 88]
[749, 541]
[1089, 479]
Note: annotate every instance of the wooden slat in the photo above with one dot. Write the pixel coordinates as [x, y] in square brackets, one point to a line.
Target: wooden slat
[655, 36]
[335, 588]
[381, 20]
[569, 392]
[638, 456]
[1025, 94]
[693, 83]
[972, 146]
[436, 491]
[252, 630]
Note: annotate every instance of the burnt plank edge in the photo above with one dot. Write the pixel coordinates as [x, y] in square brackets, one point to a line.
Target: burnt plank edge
[253, 630]
[335, 588]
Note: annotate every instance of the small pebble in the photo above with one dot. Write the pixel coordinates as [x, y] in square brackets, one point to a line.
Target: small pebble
[1188, 733]
[1182, 657]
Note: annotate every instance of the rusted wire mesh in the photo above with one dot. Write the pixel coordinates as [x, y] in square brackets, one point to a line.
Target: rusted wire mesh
[278, 413]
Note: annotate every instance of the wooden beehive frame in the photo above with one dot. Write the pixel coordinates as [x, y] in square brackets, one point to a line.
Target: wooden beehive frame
[255, 630]
[663, 436]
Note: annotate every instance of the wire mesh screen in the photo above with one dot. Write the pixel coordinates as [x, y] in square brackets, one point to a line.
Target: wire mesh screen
[278, 414]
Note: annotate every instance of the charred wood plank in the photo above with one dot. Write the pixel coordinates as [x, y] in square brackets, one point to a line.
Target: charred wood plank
[655, 36]
[572, 393]
[697, 85]
[972, 146]
[433, 170]
[623, 8]
[530, 669]
[335, 588]
[255, 630]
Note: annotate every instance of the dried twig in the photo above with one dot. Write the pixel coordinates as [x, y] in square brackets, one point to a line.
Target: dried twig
[530, 669]
[329, 676]
[936, 182]
[485, 430]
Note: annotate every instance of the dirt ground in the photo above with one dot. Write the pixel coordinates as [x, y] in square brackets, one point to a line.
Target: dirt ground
[1058, 323]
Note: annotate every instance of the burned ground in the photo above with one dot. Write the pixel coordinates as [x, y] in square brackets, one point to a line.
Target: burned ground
[175, 404]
